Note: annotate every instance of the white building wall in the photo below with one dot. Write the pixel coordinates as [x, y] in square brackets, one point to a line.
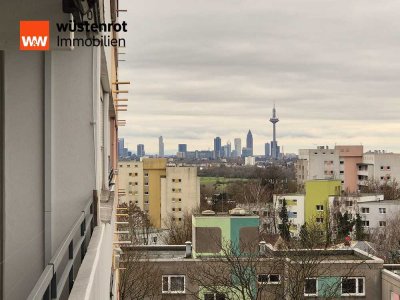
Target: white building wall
[295, 208]
[186, 183]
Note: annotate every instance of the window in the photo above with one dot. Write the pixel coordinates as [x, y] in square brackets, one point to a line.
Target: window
[173, 209]
[128, 166]
[381, 167]
[130, 183]
[146, 174]
[382, 210]
[365, 210]
[130, 174]
[319, 220]
[146, 193]
[349, 203]
[214, 296]
[388, 167]
[121, 166]
[382, 223]
[179, 219]
[341, 172]
[154, 240]
[173, 284]
[341, 162]
[180, 209]
[320, 207]
[365, 223]
[269, 279]
[310, 287]
[179, 180]
[136, 183]
[353, 286]
[180, 199]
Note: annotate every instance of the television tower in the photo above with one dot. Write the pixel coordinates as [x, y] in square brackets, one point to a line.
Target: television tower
[274, 143]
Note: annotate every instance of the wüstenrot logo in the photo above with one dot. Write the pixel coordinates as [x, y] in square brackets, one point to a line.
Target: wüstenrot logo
[34, 35]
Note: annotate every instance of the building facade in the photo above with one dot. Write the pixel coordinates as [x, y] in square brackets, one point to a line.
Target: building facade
[217, 147]
[158, 190]
[61, 105]
[238, 147]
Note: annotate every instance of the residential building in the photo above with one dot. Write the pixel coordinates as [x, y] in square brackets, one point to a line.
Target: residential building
[238, 147]
[378, 166]
[312, 207]
[325, 163]
[249, 142]
[391, 282]
[159, 190]
[349, 273]
[217, 147]
[140, 150]
[374, 211]
[56, 199]
[161, 146]
[295, 207]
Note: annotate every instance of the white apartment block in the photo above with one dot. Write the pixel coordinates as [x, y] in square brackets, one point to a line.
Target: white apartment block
[131, 182]
[295, 208]
[373, 209]
[320, 163]
[180, 192]
[380, 166]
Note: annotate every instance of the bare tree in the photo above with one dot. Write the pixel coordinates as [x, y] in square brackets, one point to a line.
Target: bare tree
[137, 274]
[387, 240]
[389, 188]
[179, 231]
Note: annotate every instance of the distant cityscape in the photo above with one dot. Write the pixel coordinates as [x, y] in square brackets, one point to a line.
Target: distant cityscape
[272, 151]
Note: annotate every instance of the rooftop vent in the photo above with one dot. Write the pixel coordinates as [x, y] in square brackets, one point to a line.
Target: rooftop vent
[208, 212]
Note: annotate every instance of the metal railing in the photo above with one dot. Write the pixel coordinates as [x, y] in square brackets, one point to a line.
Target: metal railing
[60, 270]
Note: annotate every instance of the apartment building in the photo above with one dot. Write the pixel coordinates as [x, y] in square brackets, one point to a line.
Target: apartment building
[311, 207]
[375, 212]
[349, 273]
[159, 190]
[341, 163]
[379, 166]
[58, 153]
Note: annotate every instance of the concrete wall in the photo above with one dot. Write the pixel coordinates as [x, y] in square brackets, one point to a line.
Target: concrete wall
[390, 285]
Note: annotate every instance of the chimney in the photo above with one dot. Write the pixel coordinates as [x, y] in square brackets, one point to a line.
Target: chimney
[188, 252]
[263, 248]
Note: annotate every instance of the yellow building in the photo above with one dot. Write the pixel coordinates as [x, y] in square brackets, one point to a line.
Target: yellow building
[158, 190]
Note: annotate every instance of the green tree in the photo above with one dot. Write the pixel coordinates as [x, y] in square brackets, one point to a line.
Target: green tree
[284, 227]
[345, 225]
[359, 229]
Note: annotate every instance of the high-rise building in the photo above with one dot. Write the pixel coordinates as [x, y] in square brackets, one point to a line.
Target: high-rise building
[275, 150]
[161, 146]
[158, 190]
[267, 152]
[182, 148]
[217, 147]
[228, 149]
[238, 147]
[140, 150]
[121, 146]
[249, 142]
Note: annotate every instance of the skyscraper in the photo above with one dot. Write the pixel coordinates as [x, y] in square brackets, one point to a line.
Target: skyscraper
[238, 147]
[249, 142]
[182, 148]
[217, 147]
[161, 146]
[274, 143]
[228, 149]
[267, 150]
[121, 145]
[140, 150]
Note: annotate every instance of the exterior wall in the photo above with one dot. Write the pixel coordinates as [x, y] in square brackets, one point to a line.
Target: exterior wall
[295, 207]
[390, 285]
[317, 193]
[381, 166]
[349, 157]
[153, 170]
[373, 203]
[230, 228]
[180, 192]
[131, 182]
[52, 154]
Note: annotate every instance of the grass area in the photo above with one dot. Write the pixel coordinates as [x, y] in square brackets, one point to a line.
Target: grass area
[220, 180]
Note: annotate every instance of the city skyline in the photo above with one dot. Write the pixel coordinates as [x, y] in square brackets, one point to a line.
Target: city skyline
[330, 68]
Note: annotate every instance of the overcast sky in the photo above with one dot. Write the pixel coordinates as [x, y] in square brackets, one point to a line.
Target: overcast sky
[206, 68]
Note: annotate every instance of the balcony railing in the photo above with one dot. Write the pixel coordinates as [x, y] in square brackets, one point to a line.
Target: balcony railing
[61, 270]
